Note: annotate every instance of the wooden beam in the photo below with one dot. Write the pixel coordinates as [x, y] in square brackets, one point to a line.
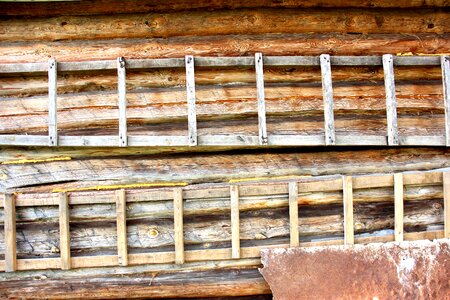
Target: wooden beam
[190, 90]
[178, 225]
[445, 66]
[293, 214]
[398, 206]
[446, 184]
[10, 233]
[235, 228]
[121, 212]
[347, 187]
[122, 92]
[262, 127]
[64, 231]
[52, 106]
[327, 90]
[391, 102]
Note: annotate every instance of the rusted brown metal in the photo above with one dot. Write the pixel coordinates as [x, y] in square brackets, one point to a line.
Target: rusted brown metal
[406, 270]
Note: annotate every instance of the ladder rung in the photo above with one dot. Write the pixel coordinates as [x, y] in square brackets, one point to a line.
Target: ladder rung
[122, 90]
[52, 106]
[347, 187]
[327, 90]
[10, 233]
[261, 99]
[391, 102]
[398, 206]
[178, 225]
[293, 214]
[64, 231]
[121, 212]
[190, 90]
[235, 234]
[445, 66]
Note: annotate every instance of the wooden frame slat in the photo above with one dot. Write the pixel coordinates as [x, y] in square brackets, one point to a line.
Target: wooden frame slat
[190, 91]
[235, 227]
[178, 225]
[327, 90]
[52, 106]
[121, 213]
[64, 231]
[391, 102]
[122, 95]
[262, 126]
[446, 186]
[293, 214]
[398, 207]
[445, 66]
[347, 188]
[10, 233]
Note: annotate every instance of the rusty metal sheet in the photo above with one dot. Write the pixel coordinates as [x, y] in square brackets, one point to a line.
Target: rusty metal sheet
[406, 270]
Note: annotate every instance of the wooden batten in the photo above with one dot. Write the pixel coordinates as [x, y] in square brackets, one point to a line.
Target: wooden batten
[445, 66]
[391, 102]
[235, 228]
[347, 188]
[446, 185]
[262, 126]
[293, 214]
[327, 90]
[10, 233]
[52, 106]
[398, 206]
[122, 90]
[64, 231]
[178, 225]
[190, 91]
[121, 212]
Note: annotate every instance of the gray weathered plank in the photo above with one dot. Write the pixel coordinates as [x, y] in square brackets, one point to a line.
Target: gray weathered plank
[391, 102]
[293, 214]
[190, 90]
[291, 61]
[347, 187]
[356, 61]
[422, 140]
[23, 140]
[398, 207]
[262, 126]
[416, 61]
[155, 63]
[52, 107]
[445, 66]
[121, 219]
[122, 93]
[327, 90]
[224, 61]
[10, 233]
[64, 231]
[178, 224]
[235, 234]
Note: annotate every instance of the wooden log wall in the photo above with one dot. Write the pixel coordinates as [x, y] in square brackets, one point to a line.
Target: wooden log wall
[53, 189]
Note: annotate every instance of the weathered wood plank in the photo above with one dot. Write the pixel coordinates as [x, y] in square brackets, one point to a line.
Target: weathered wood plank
[446, 185]
[391, 102]
[10, 233]
[416, 61]
[121, 212]
[64, 231]
[235, 228]
[347, 187]
[190, 90]
[327, 90]
[122, 93]
[445, 66]
[52, 106]
[262, 126]
[398, 206]
[178, 225]
[293, 214]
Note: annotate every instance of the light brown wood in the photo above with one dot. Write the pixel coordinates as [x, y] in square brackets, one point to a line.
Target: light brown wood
[178, 225]
[446, 185]
[347, 187]
[64, 231]
[235, 223]
[398, 207]
[121, 212]
[10, 233]
[293, 214]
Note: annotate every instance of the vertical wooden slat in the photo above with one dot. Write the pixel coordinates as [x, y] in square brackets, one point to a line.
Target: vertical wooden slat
[347, 187]
[235, 235]
[391, 102]
[293, 214]
[259, 68]
[10, 233]
[327, 91]
[52, 119]
[398, 207]
[445, 66]
[64, 231]
[122, 92]
[190, 90]
[446, 180]
[121, 212]
[178, 225]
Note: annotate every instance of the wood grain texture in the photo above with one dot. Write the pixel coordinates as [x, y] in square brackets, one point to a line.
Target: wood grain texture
[260, 96]
[64, 231]
[52, 107]
[445, 66]
[327, 91]
[121, 223]
[178, 225]
[398, 206]
[391, 101]
[10, 241]
[235, 222]
[191, 99]
[347, 187]
[122, 101]
[293, 214]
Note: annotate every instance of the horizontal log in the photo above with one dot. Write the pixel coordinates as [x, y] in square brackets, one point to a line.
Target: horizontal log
[233, 45]
[225, 22]
[137, 6]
